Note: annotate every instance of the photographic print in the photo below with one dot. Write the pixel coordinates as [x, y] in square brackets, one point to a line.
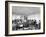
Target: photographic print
[25, 18]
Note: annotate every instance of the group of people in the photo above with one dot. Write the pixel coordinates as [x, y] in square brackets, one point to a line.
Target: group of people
[20, 24]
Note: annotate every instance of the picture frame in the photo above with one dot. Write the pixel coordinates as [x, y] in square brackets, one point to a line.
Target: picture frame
[24, 9]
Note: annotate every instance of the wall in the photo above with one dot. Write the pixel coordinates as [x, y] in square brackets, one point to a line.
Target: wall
[2, 20]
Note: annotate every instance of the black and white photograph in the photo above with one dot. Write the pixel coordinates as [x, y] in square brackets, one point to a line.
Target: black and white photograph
[24, 18]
